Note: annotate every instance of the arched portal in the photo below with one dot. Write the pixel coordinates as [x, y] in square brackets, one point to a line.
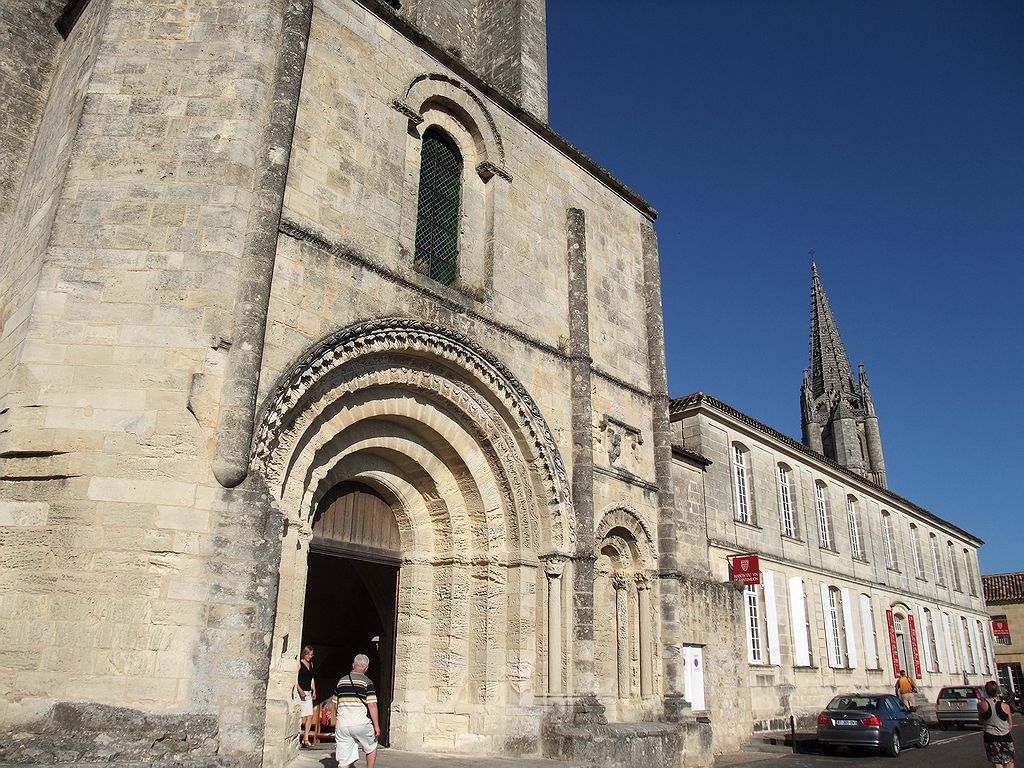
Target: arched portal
[403, 421]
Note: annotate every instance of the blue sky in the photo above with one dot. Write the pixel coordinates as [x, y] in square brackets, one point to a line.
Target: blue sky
[886, 136]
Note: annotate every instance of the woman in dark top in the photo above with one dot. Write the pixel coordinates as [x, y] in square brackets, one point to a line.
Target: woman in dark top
[996, 723]
[305, 686]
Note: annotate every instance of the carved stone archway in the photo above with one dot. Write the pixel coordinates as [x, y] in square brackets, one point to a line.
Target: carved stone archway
[444, 432]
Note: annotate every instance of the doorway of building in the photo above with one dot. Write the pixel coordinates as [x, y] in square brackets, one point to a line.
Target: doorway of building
[351, 603]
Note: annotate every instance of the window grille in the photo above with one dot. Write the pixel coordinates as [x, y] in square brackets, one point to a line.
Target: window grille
[438, 208]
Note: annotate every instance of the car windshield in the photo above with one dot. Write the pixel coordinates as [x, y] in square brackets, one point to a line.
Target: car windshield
[958, 693]
[853, 702]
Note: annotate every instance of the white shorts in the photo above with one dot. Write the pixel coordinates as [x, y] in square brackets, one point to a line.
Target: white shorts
[306, 705]
[348, 739]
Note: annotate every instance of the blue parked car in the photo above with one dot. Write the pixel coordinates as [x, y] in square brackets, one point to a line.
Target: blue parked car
[875, 720]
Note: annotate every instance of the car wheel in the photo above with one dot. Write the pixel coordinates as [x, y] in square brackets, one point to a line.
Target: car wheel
[924, 738]
[828, 749]
[892, 749]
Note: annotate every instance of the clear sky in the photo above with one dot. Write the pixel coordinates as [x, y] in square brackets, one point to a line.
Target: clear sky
[887, 136]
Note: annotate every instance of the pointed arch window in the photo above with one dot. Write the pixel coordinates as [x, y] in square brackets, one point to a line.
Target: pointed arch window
[438, 207]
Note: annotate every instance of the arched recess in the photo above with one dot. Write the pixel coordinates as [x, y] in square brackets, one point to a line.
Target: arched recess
[624, 615]
[450, 439]
[444, 103]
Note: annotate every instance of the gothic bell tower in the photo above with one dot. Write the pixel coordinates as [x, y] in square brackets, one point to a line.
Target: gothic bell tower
[838, 413]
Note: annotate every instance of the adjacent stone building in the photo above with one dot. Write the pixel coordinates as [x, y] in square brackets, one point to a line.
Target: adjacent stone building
[1004, 595]
[314, 332]
[856, 582]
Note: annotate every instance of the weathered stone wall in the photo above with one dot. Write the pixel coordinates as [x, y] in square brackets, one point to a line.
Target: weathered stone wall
[130, 576]
[29, 46]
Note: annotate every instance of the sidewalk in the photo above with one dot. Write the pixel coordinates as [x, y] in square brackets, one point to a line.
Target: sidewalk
[322, 756]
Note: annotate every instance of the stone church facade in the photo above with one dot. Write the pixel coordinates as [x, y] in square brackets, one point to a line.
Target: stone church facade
[314, 332]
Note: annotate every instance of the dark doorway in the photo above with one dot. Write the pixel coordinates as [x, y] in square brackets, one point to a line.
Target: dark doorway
[352, 592]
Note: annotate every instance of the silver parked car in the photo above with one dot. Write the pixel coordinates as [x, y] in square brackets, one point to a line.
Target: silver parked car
[958, 705]
[876, 721]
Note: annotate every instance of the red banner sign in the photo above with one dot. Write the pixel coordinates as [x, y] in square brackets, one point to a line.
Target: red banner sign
[746, 569]
[1000, 627]
[913, 646]
[894, 649]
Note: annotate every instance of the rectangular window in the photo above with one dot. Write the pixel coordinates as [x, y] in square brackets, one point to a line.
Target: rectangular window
[755, 652]
[835, 625]
[915, 537]
[954, 569]
[887, 543]
[739, 469]
[969, 568]
[856, 539]
[940, 577]
[786, 504]
[824, 523]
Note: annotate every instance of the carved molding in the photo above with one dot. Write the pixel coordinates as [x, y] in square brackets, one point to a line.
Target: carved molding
[421, 339]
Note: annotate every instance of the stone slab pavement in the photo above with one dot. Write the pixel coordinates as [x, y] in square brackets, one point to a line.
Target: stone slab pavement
[322, 756]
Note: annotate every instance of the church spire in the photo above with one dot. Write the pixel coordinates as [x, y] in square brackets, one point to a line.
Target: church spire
[830, 368]
[838, 412]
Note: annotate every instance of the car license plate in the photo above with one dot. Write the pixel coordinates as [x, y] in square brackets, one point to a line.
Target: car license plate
[844, 722]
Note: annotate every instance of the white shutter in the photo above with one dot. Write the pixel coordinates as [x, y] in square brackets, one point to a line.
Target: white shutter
[850, 634]
[867, 627]
[950, 653]
[771, 616]
[964, 645]
[988, 647]
[979, 663]
[940, 643]
[801, 653]
[925, 642]
[830, 643]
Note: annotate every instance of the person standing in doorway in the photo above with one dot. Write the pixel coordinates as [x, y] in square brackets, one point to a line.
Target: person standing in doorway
[994, 716]
[357, 724]
[305, 686]
[905, 689]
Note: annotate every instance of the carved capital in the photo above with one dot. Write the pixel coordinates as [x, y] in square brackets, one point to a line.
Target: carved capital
[554, 566]
[642, 580]
[620, 582]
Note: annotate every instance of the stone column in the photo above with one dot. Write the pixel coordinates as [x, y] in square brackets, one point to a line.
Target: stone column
[643, 601]
[669, 555]
[553, 568]
[622, 634]
[586, 707]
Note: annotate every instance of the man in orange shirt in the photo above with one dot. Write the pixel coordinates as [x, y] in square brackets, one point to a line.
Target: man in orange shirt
[905, 689]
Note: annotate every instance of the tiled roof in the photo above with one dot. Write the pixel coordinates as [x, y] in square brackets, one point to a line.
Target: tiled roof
[680, 404]
[1004, 588]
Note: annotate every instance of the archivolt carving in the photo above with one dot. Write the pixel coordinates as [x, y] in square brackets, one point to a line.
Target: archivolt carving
[442, 356]
[624, 516]
[436, 85]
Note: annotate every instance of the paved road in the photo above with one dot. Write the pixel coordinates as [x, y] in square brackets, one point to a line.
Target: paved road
[949, 749]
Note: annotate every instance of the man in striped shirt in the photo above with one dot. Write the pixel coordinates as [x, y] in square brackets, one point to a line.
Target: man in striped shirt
[357, 724]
